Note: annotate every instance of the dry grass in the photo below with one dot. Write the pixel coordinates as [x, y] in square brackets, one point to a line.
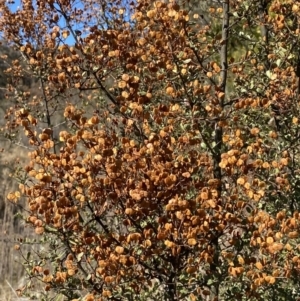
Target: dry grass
[8, 293]
[11, 228]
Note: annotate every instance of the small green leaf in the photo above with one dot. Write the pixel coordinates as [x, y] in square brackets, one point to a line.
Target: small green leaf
[187, 61]
[79, 256]
[203, 145]
[271, 75]
[180, 55]
[210, 281]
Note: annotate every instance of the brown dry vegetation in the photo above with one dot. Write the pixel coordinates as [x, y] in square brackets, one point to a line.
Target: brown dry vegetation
[11, 228]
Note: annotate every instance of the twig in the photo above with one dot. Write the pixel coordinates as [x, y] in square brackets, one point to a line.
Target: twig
[12, 289]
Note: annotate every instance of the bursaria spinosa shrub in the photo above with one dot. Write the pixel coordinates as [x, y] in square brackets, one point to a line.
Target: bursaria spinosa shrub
[164, 160]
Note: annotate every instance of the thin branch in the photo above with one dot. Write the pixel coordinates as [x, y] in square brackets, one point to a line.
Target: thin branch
[12, 289]
[223, 82]
[262, 9]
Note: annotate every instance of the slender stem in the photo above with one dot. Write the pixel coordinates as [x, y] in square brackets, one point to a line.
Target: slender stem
[219, 134]
[262, 9]
[223, 82]
[224, 48]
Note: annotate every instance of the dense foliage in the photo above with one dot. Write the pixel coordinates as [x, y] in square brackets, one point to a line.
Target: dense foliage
[177, 177]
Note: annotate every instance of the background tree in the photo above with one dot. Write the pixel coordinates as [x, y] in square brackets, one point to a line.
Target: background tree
[169, 181]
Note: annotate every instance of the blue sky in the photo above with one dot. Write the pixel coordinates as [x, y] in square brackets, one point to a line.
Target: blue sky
[17, 4]
[14, 6]
[75, 3]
